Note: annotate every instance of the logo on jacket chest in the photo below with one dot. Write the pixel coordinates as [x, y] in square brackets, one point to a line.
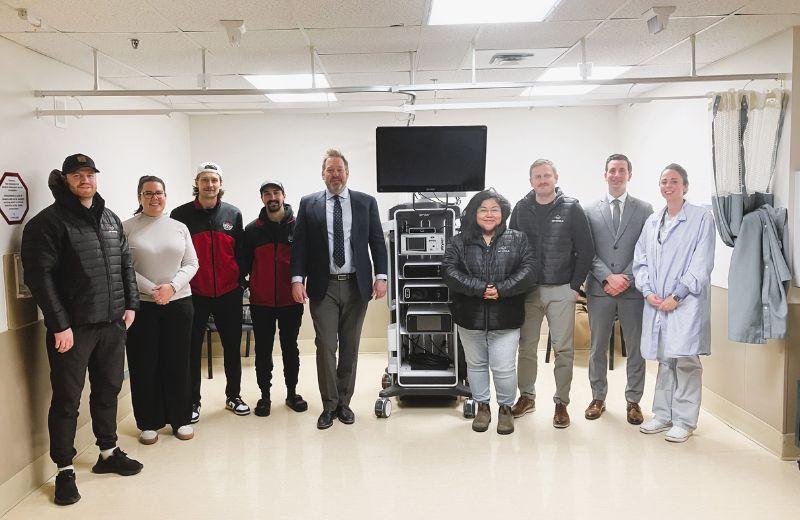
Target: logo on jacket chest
[227, 225]
[504, 249]
[557, 219]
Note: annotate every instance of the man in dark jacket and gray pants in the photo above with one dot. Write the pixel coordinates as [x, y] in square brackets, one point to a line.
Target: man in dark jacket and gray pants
[79, 270]
[559, 234]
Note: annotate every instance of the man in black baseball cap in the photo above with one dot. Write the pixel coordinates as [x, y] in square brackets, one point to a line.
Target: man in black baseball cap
[76, 162]
[266, 257]
[88, 300]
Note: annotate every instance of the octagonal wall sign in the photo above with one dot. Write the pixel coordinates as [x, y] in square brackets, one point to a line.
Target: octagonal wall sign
[13, 198]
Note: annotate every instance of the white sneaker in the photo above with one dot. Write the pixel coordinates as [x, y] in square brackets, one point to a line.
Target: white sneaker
[678, 434]
[237, 406]
[653, 425]
[184, 433]
[148, 437]
[195, 413]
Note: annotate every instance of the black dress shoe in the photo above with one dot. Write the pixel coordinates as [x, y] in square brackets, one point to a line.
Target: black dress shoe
[345, 415]
[325, 420]
[296, 403]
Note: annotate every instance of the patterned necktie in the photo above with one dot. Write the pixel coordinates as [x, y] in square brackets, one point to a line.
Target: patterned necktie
[615, 215]
[338, 232]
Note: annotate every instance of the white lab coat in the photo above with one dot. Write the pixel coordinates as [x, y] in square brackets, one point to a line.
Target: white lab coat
[681, 265]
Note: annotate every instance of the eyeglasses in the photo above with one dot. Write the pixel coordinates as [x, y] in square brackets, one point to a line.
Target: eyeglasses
[151, 194]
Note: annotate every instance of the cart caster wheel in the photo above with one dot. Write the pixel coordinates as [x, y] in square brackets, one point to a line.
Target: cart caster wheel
[469, 408]
[383, 408]
[386, 381]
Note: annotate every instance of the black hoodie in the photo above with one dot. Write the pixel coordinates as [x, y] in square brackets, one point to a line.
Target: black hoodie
[76, 261]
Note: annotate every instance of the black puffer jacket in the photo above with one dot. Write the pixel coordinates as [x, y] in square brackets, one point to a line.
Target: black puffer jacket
[76, 261]
[468, 265]
[559, 234]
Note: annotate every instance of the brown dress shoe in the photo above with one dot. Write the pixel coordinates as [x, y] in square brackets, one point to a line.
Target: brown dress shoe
[505, 420]
[482, 419]
[595, 409]
[523, 405]
[635, 414]
[561, 417]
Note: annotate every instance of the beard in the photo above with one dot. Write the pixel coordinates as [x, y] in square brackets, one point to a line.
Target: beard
[274, 207]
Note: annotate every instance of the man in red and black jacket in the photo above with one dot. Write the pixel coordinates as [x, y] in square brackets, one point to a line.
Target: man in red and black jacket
[266, 256]
[216, 229]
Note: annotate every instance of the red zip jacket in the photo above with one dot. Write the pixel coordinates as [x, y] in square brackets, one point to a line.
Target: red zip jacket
[216, 234]
[266, 256]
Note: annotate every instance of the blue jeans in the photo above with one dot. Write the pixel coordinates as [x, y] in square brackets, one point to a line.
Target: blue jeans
[495, 350]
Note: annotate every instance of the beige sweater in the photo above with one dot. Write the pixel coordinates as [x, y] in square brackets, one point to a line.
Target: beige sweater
[162, 252]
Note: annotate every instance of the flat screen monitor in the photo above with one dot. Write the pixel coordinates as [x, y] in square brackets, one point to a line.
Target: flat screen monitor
[431, 158]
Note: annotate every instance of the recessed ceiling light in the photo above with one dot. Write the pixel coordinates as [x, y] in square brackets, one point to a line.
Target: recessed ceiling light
[290, 81]
[571, 74]
[453, 12]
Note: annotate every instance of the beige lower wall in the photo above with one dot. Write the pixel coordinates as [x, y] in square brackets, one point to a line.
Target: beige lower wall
[24, 401]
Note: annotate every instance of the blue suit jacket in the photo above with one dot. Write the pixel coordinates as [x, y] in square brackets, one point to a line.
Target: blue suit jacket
[310, 253]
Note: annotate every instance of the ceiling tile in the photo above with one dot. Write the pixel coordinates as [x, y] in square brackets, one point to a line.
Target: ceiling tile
[204, 15]
[636, 8]
[773, 7]
[159, 54]
[374, 97]
[106, 16]
[261, 52]
[190, 81]
[387, 62]
[355, 13]
[532, 35]
[442, 56]
[573, 10]
[607, 46]
[356, 40]
[71, 51]
[368, 78]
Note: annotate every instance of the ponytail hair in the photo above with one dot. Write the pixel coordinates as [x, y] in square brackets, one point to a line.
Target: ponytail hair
[142, 180]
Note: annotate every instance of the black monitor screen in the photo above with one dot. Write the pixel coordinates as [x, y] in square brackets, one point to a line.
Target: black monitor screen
[431, 158]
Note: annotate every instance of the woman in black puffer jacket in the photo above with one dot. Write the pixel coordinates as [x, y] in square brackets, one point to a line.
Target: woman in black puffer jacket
[488, 269]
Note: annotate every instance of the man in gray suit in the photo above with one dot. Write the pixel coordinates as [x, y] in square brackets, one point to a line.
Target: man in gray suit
[616, 221]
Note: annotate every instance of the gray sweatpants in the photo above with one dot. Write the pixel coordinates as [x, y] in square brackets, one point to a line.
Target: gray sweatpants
[557, 304]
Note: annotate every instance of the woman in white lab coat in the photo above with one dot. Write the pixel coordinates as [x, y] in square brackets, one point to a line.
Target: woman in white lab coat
[672, 266]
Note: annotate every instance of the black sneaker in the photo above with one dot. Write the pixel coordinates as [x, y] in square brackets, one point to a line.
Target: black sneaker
[118, 463]
[263, 407]
[296, 403]
[66, 489]
[237, 406]
[195, 413]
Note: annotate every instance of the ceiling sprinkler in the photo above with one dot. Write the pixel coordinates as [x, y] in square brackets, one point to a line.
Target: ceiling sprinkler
[235, 30]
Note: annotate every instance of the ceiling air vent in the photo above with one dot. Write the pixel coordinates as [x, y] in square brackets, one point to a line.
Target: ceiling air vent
[510, 58]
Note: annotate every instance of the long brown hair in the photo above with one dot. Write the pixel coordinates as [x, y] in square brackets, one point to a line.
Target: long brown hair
[142, 180]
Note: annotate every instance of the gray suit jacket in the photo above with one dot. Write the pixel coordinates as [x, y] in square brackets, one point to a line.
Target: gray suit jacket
[614, 252]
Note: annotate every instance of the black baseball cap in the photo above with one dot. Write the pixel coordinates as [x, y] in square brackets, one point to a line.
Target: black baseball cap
[270, 182]
[76, 162]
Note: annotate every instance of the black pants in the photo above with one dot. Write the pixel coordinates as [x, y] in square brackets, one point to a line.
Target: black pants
[227, 311]
[158, 360]
[101, 350]
[289, 320]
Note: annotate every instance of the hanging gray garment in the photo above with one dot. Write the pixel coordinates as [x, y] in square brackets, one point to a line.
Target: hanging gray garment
[729, 210]
[759, 278]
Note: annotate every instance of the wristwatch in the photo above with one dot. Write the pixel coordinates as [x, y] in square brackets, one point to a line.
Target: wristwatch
[676, 297]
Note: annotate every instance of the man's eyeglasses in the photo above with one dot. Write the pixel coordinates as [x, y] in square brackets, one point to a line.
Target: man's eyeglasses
[151, 194]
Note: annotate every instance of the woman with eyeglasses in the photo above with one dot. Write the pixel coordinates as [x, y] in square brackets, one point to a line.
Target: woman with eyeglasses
[158, 342]
[488, 269]
[672, 266]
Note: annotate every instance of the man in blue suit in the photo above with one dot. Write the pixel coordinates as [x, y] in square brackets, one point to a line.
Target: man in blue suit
[335, 232]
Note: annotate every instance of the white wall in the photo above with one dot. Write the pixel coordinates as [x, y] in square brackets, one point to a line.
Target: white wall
[124, 148]
[659, 133]
[290, 148]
